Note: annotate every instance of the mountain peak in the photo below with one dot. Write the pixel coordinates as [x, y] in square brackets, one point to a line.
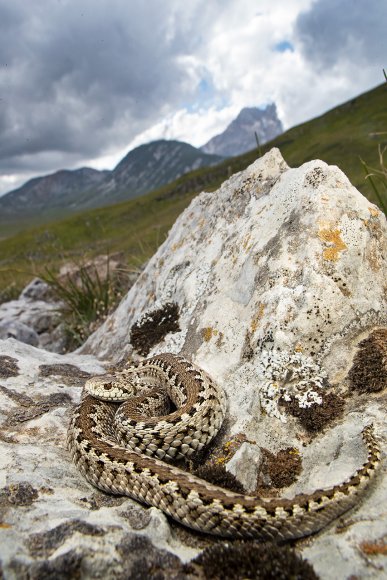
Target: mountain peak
[239, 136]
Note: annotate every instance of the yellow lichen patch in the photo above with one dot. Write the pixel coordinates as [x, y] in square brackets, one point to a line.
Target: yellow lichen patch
[4, 525]
[293, 451]
[374, 259]
[257, 317]
[208, 332]
[373, 211]
[298, 348]
[336, 245]
[229, 448]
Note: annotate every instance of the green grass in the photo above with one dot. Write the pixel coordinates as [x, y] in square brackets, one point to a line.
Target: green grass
[87, 297]
[377, 177]
[341, 137]
[135, 228]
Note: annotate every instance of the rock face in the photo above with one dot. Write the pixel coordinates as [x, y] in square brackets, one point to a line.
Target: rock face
[275, 285]
[239, 136]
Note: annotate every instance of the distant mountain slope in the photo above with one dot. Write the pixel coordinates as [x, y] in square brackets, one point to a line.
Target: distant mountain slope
[65, 192]
[239, 136]
[148, 167]
[50, 191]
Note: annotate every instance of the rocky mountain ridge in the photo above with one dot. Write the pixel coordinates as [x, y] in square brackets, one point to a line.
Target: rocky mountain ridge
[241, 134]
[148, 167]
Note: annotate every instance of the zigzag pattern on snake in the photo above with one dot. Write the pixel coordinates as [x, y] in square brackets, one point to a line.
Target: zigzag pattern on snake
[122, 452]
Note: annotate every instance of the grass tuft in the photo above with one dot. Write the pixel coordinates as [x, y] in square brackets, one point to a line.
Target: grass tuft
[378, 178]
[87, 300]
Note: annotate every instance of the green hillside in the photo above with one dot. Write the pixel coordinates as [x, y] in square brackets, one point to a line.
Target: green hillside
[137, 227]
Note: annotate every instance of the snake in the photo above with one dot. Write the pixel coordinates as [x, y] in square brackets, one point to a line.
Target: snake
[121, 448]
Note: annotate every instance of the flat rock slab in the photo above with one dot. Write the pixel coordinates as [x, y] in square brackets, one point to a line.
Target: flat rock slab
[51, 518]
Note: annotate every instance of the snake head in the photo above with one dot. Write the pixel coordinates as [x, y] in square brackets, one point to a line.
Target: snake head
[106, 388]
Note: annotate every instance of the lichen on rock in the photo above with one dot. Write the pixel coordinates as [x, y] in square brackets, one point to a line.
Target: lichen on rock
[287, 376]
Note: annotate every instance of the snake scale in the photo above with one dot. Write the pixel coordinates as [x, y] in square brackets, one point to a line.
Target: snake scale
[122, 449]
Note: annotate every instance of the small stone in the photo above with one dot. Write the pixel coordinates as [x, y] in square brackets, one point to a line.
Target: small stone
[245, 465]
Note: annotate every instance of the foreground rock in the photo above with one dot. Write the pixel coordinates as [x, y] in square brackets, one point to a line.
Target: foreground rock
[274, 284]
[34, 318]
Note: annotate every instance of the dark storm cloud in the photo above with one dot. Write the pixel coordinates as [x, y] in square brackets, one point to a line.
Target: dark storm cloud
[355, 30]
[78, 77]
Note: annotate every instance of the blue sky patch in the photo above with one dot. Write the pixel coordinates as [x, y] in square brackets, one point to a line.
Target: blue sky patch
[283, 46]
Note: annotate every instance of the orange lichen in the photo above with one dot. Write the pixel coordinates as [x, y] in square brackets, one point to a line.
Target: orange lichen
[257, 317]
[374, 548]
[373, 211]
[332, 237]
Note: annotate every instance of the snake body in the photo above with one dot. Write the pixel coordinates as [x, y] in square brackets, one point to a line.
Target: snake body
[124, 455]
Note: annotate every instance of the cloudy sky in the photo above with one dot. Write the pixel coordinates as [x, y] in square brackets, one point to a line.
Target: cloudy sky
[84, 81]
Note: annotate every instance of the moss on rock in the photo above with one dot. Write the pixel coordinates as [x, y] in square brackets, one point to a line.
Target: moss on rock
[369, 370]
[153, 327]
[238, 560]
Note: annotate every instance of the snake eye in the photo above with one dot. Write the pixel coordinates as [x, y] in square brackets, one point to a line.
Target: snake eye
[99, 384]
[107, 386]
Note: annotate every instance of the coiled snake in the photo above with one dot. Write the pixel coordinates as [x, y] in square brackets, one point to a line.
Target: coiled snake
[122, 452]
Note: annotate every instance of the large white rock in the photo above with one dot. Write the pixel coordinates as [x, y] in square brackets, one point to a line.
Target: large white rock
[278, 271]
[277, 276]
